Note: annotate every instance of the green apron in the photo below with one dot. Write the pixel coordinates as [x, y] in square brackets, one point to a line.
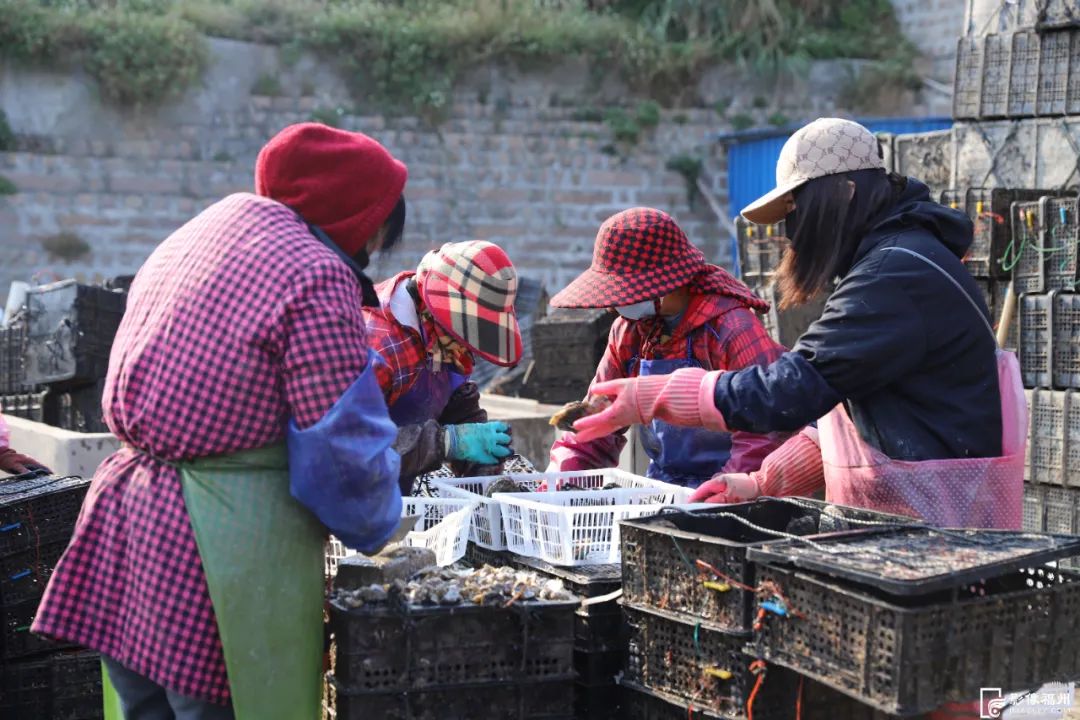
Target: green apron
[262, 553]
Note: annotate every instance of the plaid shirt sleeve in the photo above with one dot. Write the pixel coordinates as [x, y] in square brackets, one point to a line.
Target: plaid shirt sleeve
[322, 336]
[739, 340]
[568, 453]
[401, 354]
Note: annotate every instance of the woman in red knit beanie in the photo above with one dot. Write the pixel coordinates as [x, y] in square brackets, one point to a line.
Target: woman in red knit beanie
[244, 392]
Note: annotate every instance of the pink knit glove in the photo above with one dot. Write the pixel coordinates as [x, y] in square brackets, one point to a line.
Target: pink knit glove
[685, 397]
[728, 488]
[794, 468]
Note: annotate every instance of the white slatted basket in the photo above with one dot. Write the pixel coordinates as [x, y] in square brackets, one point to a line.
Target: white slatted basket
[444, 528]
[487, 525]
[575, 527]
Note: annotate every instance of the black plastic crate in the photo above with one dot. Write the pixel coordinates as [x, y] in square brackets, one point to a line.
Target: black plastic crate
[567, 346]
[80, 409]
[906, 657]
[967, 92]
[71, 331]
[706, 667]
[17, 640]
[38, 512]
[988, 209]
[597, 702]
[12, 363]
[596, 669]
[77, 690]
[1060, 240]
[760, 249]
[386, 648]
[1024, 254]
[26, 690]
[23, 575]
[494, 701]
[997, 62]
[1024, 74]
[599, 628]
[641, 703]
[692, 564]
[29, 406]
[1054, 73]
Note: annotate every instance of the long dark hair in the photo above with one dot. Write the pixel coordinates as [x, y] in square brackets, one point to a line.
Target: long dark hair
[826, 226]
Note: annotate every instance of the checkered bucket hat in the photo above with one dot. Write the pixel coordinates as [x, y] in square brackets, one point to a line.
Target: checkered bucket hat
[640, 254]
[827, 146]
[469, 288]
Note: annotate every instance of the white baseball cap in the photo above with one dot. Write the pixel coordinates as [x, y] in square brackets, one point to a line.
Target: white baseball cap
[827, 146]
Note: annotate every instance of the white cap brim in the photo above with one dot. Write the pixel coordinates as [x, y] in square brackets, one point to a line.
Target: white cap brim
[771, 207]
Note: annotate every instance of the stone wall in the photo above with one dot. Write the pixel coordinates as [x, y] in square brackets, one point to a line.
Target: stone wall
[934, 26]
[521, 158]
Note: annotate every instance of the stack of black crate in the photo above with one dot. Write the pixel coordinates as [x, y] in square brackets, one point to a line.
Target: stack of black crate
[39, 680]
[54, 354]
[1016, 157]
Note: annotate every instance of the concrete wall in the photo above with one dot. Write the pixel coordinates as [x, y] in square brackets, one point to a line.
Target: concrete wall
[934, 26]
[514, 162]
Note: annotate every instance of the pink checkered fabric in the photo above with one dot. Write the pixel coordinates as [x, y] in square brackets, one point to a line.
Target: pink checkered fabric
[238, 321]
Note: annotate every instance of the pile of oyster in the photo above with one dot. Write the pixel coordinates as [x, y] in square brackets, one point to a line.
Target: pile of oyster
[488, 585]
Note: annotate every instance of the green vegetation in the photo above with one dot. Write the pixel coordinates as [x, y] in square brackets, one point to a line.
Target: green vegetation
[328, 116]
[7, 136]
[690, 167]
[407, 54]
[742, 121]
[66, 246]
[7, 187]
[624, 128]
[267, 85]
[648, 114]
[779, 119]
[222, 157]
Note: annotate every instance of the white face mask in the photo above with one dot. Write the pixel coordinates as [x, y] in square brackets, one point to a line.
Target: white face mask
[639, 310]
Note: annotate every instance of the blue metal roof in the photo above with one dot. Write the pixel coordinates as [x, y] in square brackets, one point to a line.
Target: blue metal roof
[752, 156]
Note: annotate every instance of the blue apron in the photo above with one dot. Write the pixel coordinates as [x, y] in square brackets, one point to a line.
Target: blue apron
[681, 455]
[427, 397]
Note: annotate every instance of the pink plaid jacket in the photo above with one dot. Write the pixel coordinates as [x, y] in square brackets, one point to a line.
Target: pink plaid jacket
[238, 321]
[738, 340]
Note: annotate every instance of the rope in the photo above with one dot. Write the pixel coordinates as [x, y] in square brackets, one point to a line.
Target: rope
[758, 668]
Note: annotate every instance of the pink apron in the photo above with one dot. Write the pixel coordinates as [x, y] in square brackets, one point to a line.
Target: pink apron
[964, 492]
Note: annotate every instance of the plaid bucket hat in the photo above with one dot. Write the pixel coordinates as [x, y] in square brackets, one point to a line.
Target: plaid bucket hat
[469, 288]
[640, 254]
[827, 146]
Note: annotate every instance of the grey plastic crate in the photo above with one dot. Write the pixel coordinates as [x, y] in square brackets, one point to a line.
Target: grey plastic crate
[1035, 339]
[967, 92]
[1046, 453]
[1053, 73]
[760, 249]
[1060, 240]
[885, 141]
[996, 154]
[988, 209]
[1058, 14]
[1065, 355]
[1024, 74]
[997, 62]
[1034, 508]
[927, 156]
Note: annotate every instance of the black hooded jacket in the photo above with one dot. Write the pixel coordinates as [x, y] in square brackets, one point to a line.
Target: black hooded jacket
[897, 342]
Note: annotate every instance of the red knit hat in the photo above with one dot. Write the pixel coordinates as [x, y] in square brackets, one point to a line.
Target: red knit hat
[640, 254]
[343, 182]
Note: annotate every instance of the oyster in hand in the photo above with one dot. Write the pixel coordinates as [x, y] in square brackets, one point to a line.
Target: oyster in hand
[572, 412]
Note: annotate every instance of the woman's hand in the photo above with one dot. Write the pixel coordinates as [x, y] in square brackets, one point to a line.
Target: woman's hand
[728, 488]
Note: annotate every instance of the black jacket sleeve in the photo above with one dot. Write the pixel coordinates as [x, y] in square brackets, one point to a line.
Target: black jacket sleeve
[868, 335]
[422, 450]
[463, 408]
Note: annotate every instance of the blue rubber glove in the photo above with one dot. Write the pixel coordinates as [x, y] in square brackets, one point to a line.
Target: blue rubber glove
[483, 443]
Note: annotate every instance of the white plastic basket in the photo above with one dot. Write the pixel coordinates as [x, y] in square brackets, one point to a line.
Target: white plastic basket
[574, 527]
[444, 528]
[487, 525]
